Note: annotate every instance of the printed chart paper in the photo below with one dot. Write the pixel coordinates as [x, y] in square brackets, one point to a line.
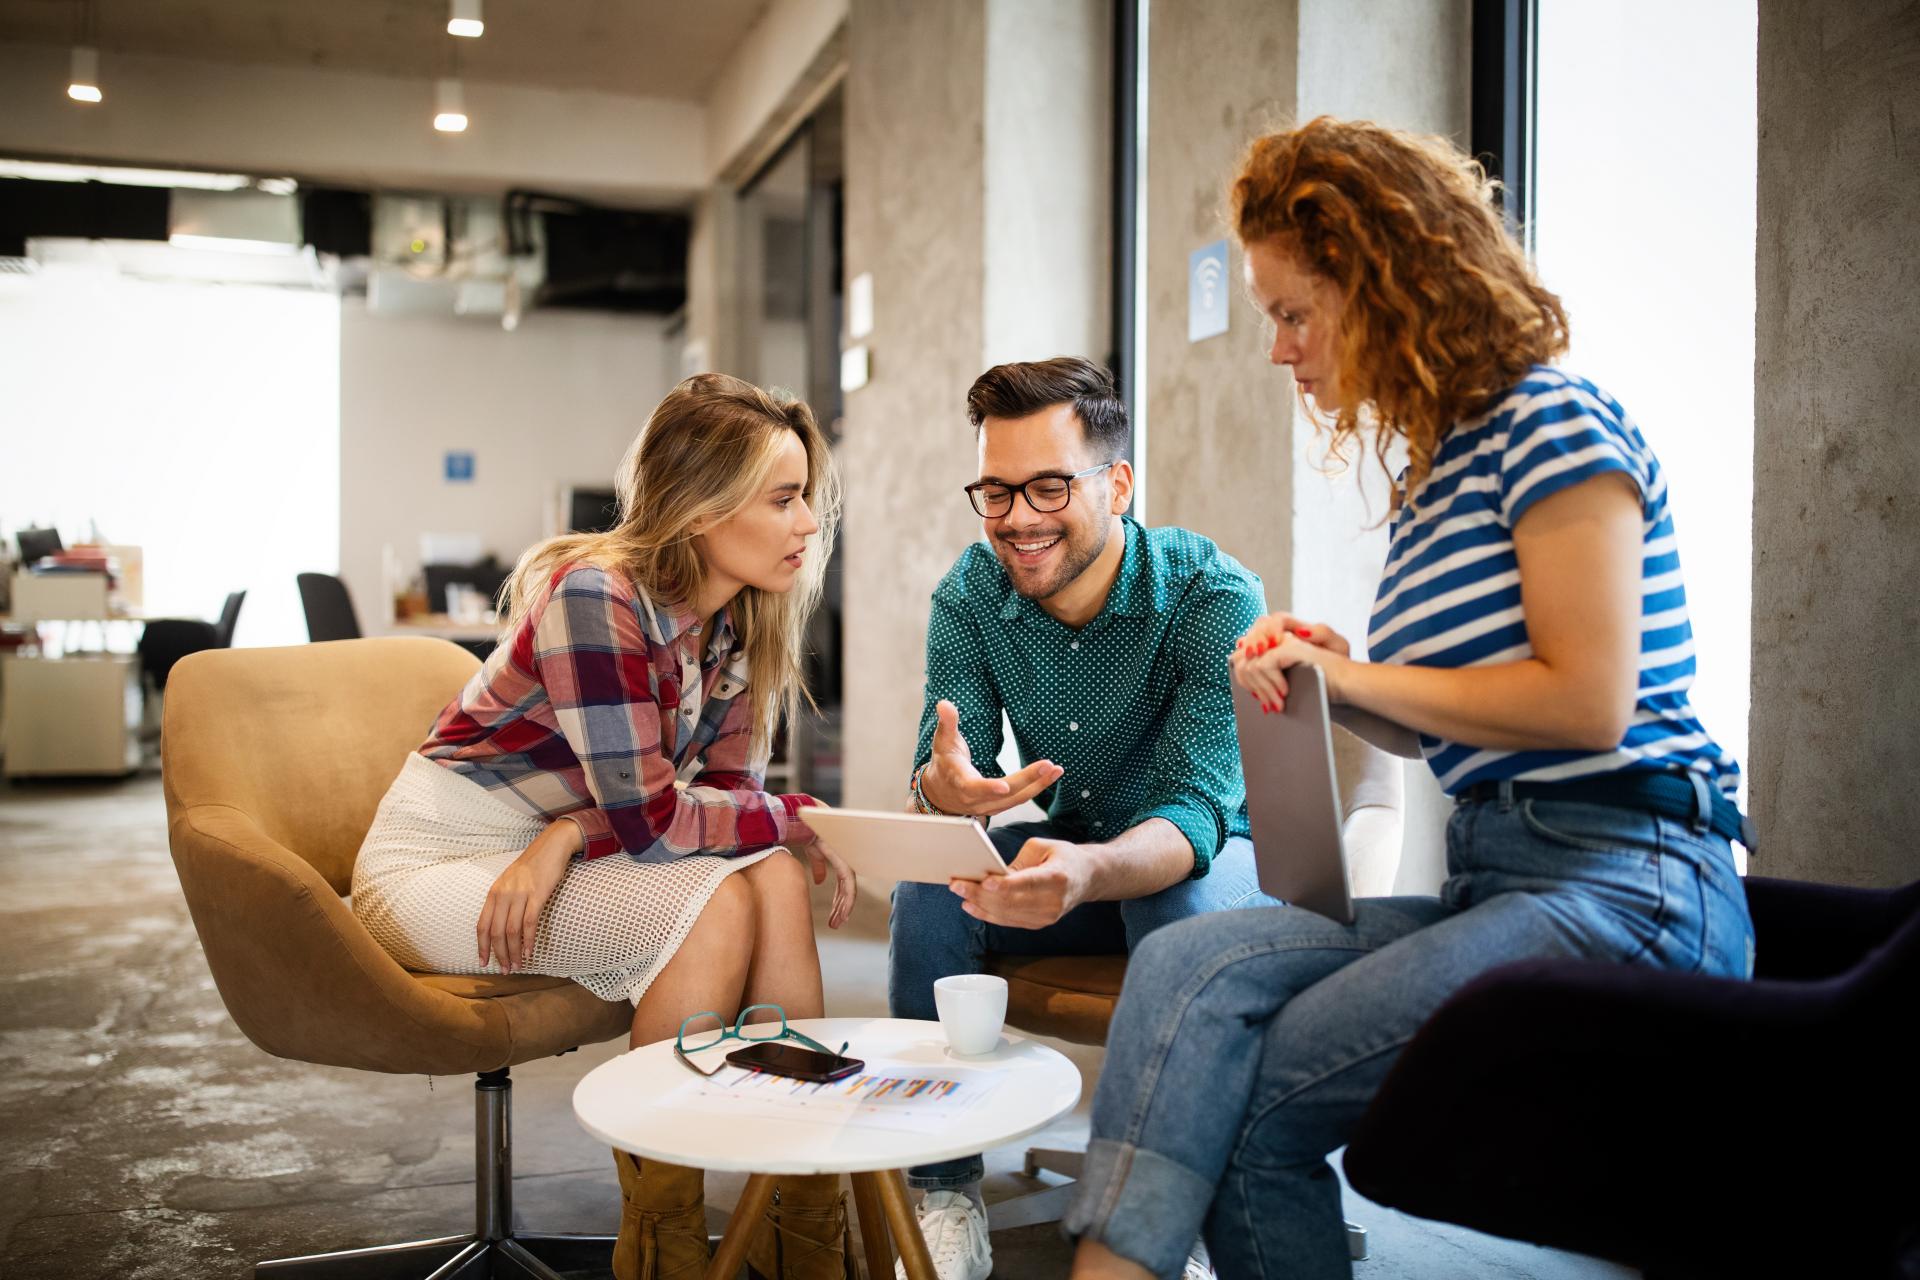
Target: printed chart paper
[886, 1095]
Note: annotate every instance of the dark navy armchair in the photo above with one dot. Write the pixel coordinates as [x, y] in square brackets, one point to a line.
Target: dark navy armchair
[1688, 1126]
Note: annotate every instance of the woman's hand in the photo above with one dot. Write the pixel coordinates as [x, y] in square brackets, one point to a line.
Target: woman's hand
[1279, 641]
[511, 915]
[809, 848]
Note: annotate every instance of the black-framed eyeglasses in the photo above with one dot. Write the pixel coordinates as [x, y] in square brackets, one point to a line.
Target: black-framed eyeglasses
[708, 1030]
[1049, 492]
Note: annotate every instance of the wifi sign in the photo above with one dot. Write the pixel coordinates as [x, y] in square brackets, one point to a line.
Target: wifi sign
[1207, 290]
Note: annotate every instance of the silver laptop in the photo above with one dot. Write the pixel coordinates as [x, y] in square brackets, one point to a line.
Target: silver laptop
[1293, 796]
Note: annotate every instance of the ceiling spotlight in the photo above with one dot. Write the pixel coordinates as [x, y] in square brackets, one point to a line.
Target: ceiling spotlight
[465, 19]
[450, 107]
[83, 77]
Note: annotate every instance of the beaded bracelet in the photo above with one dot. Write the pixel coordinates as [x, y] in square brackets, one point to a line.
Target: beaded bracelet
[920, 800]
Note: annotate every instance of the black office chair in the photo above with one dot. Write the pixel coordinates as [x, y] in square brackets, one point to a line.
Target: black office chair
[329, 608]
[37, 544]
[1692, 1127]
[164, 641]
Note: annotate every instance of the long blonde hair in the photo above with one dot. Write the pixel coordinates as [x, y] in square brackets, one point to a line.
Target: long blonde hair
[706, 451]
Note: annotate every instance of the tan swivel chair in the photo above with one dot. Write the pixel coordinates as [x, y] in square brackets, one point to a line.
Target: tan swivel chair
[1073, 997]
[274, 762]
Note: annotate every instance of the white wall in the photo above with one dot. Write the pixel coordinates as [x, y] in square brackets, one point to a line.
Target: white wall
[197, 421]
[554, 403]
[351, 127]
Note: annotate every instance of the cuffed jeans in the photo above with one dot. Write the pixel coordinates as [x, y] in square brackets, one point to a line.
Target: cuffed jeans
[1245, 1048]
[931, 937]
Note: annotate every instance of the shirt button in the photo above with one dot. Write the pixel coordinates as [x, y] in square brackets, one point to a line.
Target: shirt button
[1085, 794]
[1073, 726]
[1098, 825]
[1074, 644]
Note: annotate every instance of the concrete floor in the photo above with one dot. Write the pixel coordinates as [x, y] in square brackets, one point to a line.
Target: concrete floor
[143, 1136]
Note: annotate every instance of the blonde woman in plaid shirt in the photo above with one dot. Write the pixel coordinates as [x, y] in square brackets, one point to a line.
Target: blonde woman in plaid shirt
[591, 805]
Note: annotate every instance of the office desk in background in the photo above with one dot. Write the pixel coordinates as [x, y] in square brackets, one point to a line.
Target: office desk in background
[79, 713]
[477, 638]
[445, 627]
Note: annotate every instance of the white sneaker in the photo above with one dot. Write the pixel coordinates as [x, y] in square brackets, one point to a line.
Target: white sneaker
[1199, 1266]
[956, 1233]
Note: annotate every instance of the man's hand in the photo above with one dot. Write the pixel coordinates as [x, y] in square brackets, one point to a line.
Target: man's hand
[512, 912]
[952, 785]
[1048, 879]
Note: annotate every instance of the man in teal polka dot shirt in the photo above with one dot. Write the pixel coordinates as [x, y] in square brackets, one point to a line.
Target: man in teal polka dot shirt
[1105, 644]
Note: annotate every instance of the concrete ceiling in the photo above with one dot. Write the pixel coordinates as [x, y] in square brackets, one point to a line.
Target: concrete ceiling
[643, 48]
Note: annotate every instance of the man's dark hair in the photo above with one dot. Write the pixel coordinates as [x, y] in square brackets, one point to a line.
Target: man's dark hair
[1016, 390]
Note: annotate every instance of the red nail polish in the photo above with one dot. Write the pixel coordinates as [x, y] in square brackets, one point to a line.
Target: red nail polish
[1305, 633]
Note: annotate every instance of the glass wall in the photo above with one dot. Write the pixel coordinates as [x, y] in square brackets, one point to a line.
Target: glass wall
[788, 254]
[1644, 224]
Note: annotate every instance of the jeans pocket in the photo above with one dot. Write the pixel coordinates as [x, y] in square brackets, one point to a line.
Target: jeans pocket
[1607, 868]
[1592, 828]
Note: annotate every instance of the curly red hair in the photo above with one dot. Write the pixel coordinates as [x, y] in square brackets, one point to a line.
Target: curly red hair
[1440, 311]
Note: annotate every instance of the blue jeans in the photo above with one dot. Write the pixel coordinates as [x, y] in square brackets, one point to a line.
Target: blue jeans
[931, 937]
[1245, 1048]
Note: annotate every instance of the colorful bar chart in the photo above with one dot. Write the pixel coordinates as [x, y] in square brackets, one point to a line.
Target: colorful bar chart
[887, 1095]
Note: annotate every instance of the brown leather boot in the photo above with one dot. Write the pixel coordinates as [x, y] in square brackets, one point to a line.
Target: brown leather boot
[804, 1235]
[663, 1221]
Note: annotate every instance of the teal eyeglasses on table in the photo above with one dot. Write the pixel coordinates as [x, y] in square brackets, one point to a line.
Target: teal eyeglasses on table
[707, 1030]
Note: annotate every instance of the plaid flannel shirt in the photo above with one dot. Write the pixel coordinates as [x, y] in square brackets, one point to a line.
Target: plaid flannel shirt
[593, 709]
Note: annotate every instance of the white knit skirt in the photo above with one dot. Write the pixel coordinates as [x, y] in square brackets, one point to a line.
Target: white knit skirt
[438, 842]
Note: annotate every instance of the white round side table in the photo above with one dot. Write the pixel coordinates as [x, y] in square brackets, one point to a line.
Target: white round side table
[627, 1103]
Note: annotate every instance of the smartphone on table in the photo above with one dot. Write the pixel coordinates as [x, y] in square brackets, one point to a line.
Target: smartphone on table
[782, 1059]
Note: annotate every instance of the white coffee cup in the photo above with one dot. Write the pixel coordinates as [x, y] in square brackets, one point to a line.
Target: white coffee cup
[972, 1007]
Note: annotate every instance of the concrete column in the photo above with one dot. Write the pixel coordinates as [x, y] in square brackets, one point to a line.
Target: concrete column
[1228, 454]
[1836, 533]
[1220, 453]
[976, 160]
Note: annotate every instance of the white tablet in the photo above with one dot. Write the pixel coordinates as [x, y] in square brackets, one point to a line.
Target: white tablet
[906, 846]
[1293, 798]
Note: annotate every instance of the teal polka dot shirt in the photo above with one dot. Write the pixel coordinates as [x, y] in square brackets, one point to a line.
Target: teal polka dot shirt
[1135, 705]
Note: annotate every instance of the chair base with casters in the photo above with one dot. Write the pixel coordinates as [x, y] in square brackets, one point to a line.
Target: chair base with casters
[493, 1249]
[1070, 998]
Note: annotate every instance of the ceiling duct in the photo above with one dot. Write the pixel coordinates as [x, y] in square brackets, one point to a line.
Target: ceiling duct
[243, 221]
[449, 256]
[337, 221]
[603, 259]
[86, 210]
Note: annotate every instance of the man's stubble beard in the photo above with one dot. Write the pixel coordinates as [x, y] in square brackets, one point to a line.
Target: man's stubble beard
[1077, 558]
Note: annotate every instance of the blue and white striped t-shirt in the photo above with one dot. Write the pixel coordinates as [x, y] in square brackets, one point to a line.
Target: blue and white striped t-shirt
[1450, 595]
